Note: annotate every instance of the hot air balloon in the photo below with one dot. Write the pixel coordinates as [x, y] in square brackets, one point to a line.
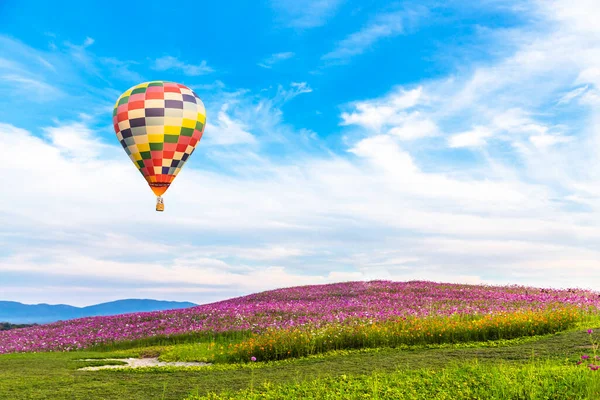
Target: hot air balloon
[159, 125]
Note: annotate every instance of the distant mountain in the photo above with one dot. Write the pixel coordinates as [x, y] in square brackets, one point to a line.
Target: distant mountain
[19, 313]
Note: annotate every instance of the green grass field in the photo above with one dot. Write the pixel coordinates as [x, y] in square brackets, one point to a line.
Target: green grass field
[538, 367]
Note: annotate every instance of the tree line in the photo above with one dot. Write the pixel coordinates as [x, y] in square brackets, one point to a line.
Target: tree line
[5, 326]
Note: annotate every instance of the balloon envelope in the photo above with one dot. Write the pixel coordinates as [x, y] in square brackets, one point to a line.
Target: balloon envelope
[159, 125]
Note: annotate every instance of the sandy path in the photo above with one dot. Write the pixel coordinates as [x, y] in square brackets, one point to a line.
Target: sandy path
[139, 363]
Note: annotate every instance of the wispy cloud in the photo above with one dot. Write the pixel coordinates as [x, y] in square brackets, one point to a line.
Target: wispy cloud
[473, 138]
[395, 114]
[306, 14]
[172, 63]
[273, 59]
[296, 89]
[122, 69]
[80, 53]
[226, 131]
[383, 26]
[38, 90]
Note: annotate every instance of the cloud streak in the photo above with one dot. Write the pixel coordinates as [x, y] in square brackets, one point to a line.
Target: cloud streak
[167, 63]
[306, 15]
[276, 58]
[383, 26]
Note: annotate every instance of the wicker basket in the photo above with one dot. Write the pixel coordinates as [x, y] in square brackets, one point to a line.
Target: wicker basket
[160, 205]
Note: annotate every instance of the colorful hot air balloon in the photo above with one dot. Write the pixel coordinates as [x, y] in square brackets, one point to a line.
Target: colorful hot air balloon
[159, 125]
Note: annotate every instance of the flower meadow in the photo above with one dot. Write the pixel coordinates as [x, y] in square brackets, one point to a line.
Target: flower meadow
[309, 319]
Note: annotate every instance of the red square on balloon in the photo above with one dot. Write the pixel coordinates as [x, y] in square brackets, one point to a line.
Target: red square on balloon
[136, 97]
[135, 105]
[169, 146]
[181, 147]
[155, 95]
[168, 155]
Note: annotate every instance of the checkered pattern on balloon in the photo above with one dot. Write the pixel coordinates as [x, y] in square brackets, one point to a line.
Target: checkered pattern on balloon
[159, 125]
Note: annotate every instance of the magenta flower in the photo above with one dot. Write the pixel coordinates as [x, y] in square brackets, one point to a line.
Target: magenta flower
[252, 358]
[590, 331]
[585, 357]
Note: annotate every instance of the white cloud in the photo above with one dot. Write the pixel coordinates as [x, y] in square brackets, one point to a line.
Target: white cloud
[227, 131]
[384, 25]
[388, 111]
[168, 62]
[38, 90]
[296, 89]
[88, 41]
[415, 127]
[543, 141]
[306, 14]
[473, 138]
[276, 58]
[75, 140]
[572, 95]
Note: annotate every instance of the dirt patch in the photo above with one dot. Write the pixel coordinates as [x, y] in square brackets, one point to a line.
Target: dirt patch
[140, 363]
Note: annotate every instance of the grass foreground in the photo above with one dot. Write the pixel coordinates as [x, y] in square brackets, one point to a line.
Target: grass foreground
[541, 367]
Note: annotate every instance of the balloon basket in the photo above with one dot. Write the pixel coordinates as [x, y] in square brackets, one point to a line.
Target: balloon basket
[160, 205]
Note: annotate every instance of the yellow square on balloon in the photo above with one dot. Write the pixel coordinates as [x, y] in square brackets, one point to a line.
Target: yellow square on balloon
[189, 123]
[156, 138]
[172, 130]
[143, 147]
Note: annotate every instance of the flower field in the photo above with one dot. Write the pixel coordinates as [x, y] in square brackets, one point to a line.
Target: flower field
[310, 319]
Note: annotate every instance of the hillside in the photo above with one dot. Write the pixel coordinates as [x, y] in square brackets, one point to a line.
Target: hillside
[311, 306]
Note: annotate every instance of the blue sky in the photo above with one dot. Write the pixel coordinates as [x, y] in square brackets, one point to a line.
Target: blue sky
[346, 140]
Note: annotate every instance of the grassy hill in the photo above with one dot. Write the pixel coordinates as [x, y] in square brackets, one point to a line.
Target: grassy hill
[350, 340]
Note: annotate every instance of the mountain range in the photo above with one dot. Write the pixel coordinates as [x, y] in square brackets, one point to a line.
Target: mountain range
[19, 313]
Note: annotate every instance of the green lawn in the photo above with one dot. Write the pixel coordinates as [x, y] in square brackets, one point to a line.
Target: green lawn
[55, 376]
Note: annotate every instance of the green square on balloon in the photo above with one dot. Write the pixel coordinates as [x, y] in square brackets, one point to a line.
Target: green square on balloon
[187, 131]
